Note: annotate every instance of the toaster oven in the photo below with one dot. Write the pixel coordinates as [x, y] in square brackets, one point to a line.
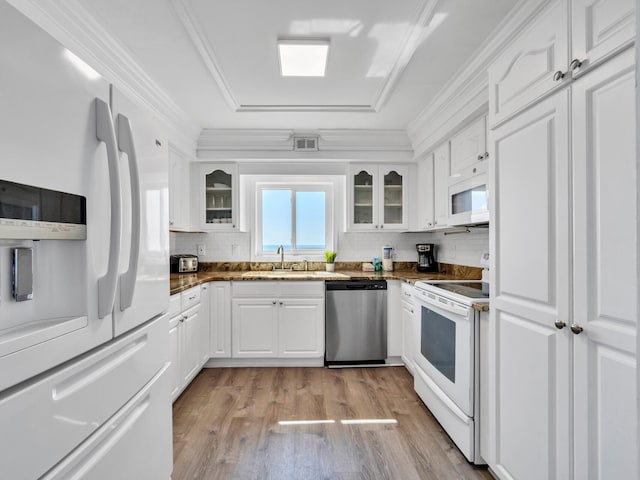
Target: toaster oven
[184, 263]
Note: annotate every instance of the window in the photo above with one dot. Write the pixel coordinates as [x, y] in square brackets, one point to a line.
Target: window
[297, 216]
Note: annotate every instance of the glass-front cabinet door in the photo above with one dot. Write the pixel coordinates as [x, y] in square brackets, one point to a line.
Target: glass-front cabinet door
[378, 197]
[393, 206]
[363, 198]
[220, 196]
[393, 191]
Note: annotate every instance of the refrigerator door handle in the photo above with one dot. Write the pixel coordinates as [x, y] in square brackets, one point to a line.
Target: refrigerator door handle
[107, 283]
[128, 278]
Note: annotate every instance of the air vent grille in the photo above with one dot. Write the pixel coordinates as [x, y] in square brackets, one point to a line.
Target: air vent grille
[305, 144]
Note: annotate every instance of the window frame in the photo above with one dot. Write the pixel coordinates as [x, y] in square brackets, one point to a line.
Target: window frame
[295, 186]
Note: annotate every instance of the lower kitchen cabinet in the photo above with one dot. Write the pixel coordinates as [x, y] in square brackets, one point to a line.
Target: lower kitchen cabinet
[219, 319]
[187, 328]
[408, 333]
[277, 319]
[301, 327]
[255, 327]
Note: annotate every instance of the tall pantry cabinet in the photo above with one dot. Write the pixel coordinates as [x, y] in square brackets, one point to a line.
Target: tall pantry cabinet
[562, 353]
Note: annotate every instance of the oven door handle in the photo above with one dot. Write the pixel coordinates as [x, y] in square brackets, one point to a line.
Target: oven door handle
[430, 299]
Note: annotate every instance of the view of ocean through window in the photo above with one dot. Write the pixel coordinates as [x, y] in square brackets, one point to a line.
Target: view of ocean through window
[278, 213]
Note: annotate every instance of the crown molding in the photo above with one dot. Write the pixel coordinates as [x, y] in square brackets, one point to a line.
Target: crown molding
[467, 95]
[411, 42]
[263, 140]
[71, 24]
[254, 156]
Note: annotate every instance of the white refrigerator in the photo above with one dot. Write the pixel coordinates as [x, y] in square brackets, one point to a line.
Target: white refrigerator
[84, 274]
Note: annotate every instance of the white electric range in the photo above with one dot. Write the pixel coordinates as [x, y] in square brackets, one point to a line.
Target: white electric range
[447, 357]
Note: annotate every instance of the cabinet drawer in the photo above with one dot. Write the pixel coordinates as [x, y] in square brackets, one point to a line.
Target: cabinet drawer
[67, 406]
[175, 304]
[190, 297]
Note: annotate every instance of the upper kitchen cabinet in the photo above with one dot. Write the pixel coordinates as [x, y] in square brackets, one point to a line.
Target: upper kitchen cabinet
[564, 42]
[533, 66]
[218, 196]
[441, 172]
[378, 197]
[600, 28]
[425, 183]
[178, 190]
[468, 150]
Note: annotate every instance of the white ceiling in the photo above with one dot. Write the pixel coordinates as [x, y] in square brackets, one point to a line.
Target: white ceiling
[218, 59]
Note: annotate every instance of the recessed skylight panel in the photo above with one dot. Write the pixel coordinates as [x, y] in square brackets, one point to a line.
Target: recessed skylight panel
[303, 58]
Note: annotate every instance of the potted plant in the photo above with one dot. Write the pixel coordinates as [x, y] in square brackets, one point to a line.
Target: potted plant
[330, 257]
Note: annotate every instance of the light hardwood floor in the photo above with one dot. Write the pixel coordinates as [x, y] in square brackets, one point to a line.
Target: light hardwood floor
[226, 427]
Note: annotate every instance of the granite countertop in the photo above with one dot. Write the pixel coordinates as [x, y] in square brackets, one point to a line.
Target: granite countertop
[180, 282]
[246, 271]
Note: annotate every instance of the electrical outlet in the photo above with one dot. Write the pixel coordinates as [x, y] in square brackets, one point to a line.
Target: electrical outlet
[202, 249]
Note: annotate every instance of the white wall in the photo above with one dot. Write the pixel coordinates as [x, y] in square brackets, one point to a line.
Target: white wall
[461, 249]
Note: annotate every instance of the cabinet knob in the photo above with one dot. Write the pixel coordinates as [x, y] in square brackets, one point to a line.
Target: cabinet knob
[486, 155]
[281, 303]
[273, 303]
[376, 226]
[381, 226]
[575, 64]
[170, 222]
[559, 75]
[577, 329]
[560, 324]
[480, 157]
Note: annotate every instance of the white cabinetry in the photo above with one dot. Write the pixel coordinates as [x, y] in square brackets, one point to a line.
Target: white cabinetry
[605, 284]
[531, 285]
[408, 333]
[278, 319]
[564, 308]
[220, 319]
[600, 28]
[378, 197]
[187, 328]
[178, 191]
[468, 150]
[218, 196]
[441, 186]
[425, 189]
[545, 57]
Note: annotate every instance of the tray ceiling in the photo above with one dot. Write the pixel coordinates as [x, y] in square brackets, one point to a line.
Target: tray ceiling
[218, 59]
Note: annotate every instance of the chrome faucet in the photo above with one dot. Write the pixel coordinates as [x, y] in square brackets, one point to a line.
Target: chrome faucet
[280, 251]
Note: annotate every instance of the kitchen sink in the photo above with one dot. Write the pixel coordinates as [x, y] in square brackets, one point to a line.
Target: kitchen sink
[292, 274]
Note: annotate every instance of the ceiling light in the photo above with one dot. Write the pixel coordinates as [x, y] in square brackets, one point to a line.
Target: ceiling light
[303, 57]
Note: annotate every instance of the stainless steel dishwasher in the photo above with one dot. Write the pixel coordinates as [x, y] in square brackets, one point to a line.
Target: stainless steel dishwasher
[356, 322]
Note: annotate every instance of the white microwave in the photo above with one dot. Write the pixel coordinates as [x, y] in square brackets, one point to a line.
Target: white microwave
[469, 201]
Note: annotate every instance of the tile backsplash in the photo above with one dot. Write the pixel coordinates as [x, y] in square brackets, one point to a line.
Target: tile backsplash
[459, 249]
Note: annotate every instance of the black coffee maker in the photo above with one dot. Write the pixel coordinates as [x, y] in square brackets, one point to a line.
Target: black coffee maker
[426, 259]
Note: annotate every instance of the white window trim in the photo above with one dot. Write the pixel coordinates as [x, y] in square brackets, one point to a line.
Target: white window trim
[327, 185]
